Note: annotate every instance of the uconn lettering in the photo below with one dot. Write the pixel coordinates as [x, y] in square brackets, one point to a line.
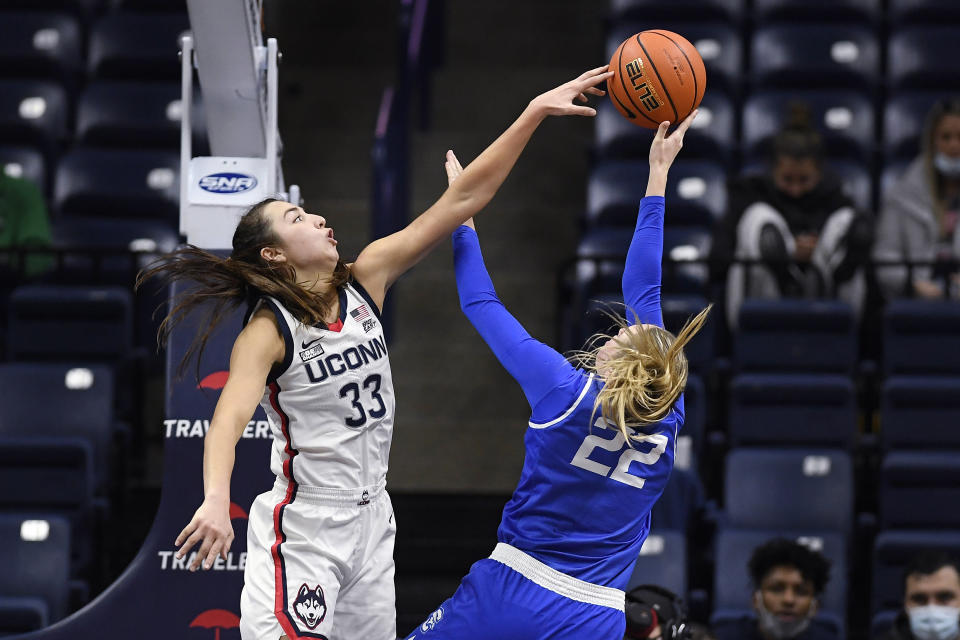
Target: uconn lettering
[336, 363]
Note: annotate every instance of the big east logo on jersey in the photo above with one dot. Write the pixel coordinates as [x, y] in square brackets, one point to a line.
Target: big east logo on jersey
[227, 183]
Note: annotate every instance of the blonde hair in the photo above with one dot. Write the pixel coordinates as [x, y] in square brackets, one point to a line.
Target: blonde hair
[645, 377]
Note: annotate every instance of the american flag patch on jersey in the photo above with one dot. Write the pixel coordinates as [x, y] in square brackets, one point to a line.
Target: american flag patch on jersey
[360, 313]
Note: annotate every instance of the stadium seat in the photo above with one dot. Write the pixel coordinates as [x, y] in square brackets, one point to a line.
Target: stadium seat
[50, 400]
[893, 551]
[36, 560]
[921, 57]
[915, 486]
[662, 561]
[793, 410]
[136, 46]
[844, 118]
[696, 193]
[133, 114]
[33, 112]
[83, 9]
[733, 590]
[677, 309]
[26, 163]
[61, 323]
[681, 502]
[795, 335]
[822, 11]
[710, 137]
[807, 56]
[903, 119]
[928, 11]
[730, 10]
[799, 489]
[56, 474]
[920, 337]
[118, 183]
[718, 43]
[40, 44]
[20, 615]
[920, 412]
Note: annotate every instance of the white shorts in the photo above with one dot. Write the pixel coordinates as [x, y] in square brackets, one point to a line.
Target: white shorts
[319, 565]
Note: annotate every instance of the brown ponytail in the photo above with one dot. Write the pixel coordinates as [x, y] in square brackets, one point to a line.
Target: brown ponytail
[798, 138]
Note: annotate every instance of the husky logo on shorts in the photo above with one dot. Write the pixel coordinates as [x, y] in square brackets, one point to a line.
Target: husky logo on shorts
[432, 621]
[310, 606]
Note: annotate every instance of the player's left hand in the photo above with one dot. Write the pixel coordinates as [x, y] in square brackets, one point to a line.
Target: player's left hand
[664, 148]
[559, 101]
[452, 165]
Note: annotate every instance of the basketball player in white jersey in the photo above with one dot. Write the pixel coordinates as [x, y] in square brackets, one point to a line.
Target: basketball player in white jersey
[313, 354]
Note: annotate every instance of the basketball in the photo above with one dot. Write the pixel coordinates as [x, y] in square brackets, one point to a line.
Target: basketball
[657, 75]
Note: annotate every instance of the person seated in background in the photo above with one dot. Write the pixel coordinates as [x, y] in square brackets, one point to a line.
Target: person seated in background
[931, 600]
[787, 578]
[23, 224]
[655, 613]
[918, 218]
[795, 218]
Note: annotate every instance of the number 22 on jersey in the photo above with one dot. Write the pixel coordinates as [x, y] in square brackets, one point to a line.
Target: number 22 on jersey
[620, 473]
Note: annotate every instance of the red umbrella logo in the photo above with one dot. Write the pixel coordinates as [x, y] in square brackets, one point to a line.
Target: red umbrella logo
[215, 380]
[236, 511]
[216, 619]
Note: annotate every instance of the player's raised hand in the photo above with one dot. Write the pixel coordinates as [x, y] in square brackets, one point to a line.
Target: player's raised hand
[559, 101]
[664, 148]
[211, 527]
[452, 165]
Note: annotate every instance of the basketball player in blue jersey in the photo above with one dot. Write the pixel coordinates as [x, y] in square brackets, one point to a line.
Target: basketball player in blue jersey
[313, 355]
[599, 449]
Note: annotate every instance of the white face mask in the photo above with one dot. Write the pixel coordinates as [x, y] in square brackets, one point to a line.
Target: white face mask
[780, 629]
[934, 622]
[947, 165]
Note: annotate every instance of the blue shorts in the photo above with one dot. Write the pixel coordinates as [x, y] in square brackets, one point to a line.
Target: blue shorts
[494, 601]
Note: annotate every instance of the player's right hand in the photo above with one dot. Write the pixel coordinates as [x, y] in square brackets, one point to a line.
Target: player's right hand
[559, 101]
[211, 527]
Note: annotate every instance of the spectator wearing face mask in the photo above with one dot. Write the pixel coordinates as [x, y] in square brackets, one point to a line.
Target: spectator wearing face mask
[918, 219]
[797, 220]
[788, 578]
[931, 600]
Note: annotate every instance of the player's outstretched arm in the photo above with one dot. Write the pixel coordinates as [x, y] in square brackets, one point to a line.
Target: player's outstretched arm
[255, 350]
[383, 261]
[642, 270]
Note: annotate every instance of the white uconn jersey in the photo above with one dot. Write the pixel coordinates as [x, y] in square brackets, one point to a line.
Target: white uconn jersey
[330, 404]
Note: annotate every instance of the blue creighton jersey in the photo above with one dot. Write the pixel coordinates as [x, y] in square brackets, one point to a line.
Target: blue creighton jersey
[583, 502]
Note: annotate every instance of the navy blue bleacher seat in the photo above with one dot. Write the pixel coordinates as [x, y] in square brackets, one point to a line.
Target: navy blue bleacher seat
[20, 615]
[53, 475]
[696, 193]
[789, 489]
[892, 552]
[34, 112]
[40, 44]
[662, 561]
[920, 337]
[69, 323]
[118, 183]
[903, 118]
[733, 590]
[679, 506]
[920, 412]
[793, 410]
[731, 10]
[915, 486]
[24, 162]
[52, 400]
[133, 114]
[808, 56]
[711, 136]
[83, 9]
[677, 309]
[844, 118]
[718, 43]
[136, 46]
[922, 57]
[929, 11]
[795, 335]
[817, 10]
[36, 562]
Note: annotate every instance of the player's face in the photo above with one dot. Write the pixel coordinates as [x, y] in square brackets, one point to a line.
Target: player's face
[786, 594]
[306, 242]
[612, 347]
[946, 137]
[942, 588]
[795, 176]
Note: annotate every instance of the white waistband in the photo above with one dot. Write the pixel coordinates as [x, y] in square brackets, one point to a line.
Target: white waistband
[557, 581]
[333, 497]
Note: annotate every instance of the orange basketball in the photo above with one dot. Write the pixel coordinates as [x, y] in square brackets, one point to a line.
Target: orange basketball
[657, 75]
